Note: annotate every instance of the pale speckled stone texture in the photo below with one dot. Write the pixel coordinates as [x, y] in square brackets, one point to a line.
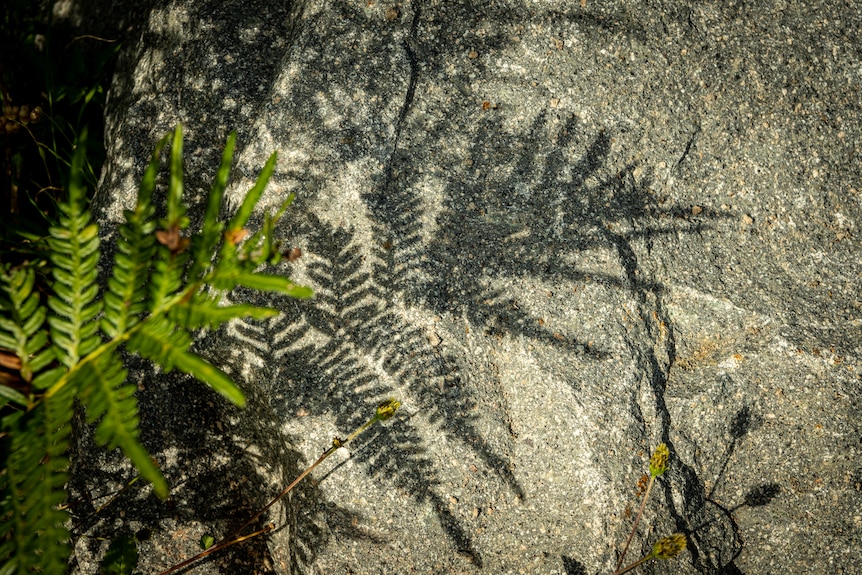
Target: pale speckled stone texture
[560, 233]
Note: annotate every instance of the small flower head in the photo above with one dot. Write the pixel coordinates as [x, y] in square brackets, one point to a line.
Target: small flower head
[387, 409]
[668, 547]
[658, 461]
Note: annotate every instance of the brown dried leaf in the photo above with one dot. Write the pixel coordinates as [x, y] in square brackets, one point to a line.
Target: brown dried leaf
[172, 239]
[9, 360]
[236, 236]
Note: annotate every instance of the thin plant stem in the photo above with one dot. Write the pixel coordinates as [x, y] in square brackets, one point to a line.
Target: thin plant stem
[223, 544]
[632, 566]
[234, 536]
[117, 494]
[284, 492]
[634, 527]
[664, 548]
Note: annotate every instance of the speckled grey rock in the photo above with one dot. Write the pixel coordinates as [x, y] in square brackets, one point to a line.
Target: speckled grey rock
[560, 233]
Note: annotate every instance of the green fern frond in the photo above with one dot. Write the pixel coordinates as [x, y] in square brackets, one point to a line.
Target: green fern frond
[114, 406]
[127, 294]
[23, 321]
[176, 207]
[74, 257]
[164, 343]
[33, 527]
[204, 311]
[240, 218]
[160, 290]
[204, 245]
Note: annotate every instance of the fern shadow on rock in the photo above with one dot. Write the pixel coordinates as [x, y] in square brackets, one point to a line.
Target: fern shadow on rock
[494, 228]
[519, 205]
[326, 356]
[222, 57]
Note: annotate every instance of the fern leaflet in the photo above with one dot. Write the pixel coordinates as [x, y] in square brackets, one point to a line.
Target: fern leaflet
[22, 332]
[114, 406]
[33, 526]
[171, 255]
[127, 294]
[164, 343]
[203, 310]
[204, 245]
[74, 255]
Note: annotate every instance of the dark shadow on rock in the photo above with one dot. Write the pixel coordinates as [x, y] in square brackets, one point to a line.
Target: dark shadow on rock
[742, 423]
[351, 316]
[714, 538]
[106, 19]
[215, 81]
[573, 567]
[760, 495]
[718, 541]
[318, 350]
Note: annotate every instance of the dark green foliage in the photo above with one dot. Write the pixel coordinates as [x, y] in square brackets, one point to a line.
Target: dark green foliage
[21, 326]
[74, 246]
[57, 80]
[164, 284]
[33, 486]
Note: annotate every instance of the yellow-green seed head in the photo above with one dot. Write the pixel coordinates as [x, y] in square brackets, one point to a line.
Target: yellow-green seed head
[669, 547]
[658, 461]
[387, 409]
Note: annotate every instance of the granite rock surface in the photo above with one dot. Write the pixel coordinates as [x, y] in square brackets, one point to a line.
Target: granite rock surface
[560, 233]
